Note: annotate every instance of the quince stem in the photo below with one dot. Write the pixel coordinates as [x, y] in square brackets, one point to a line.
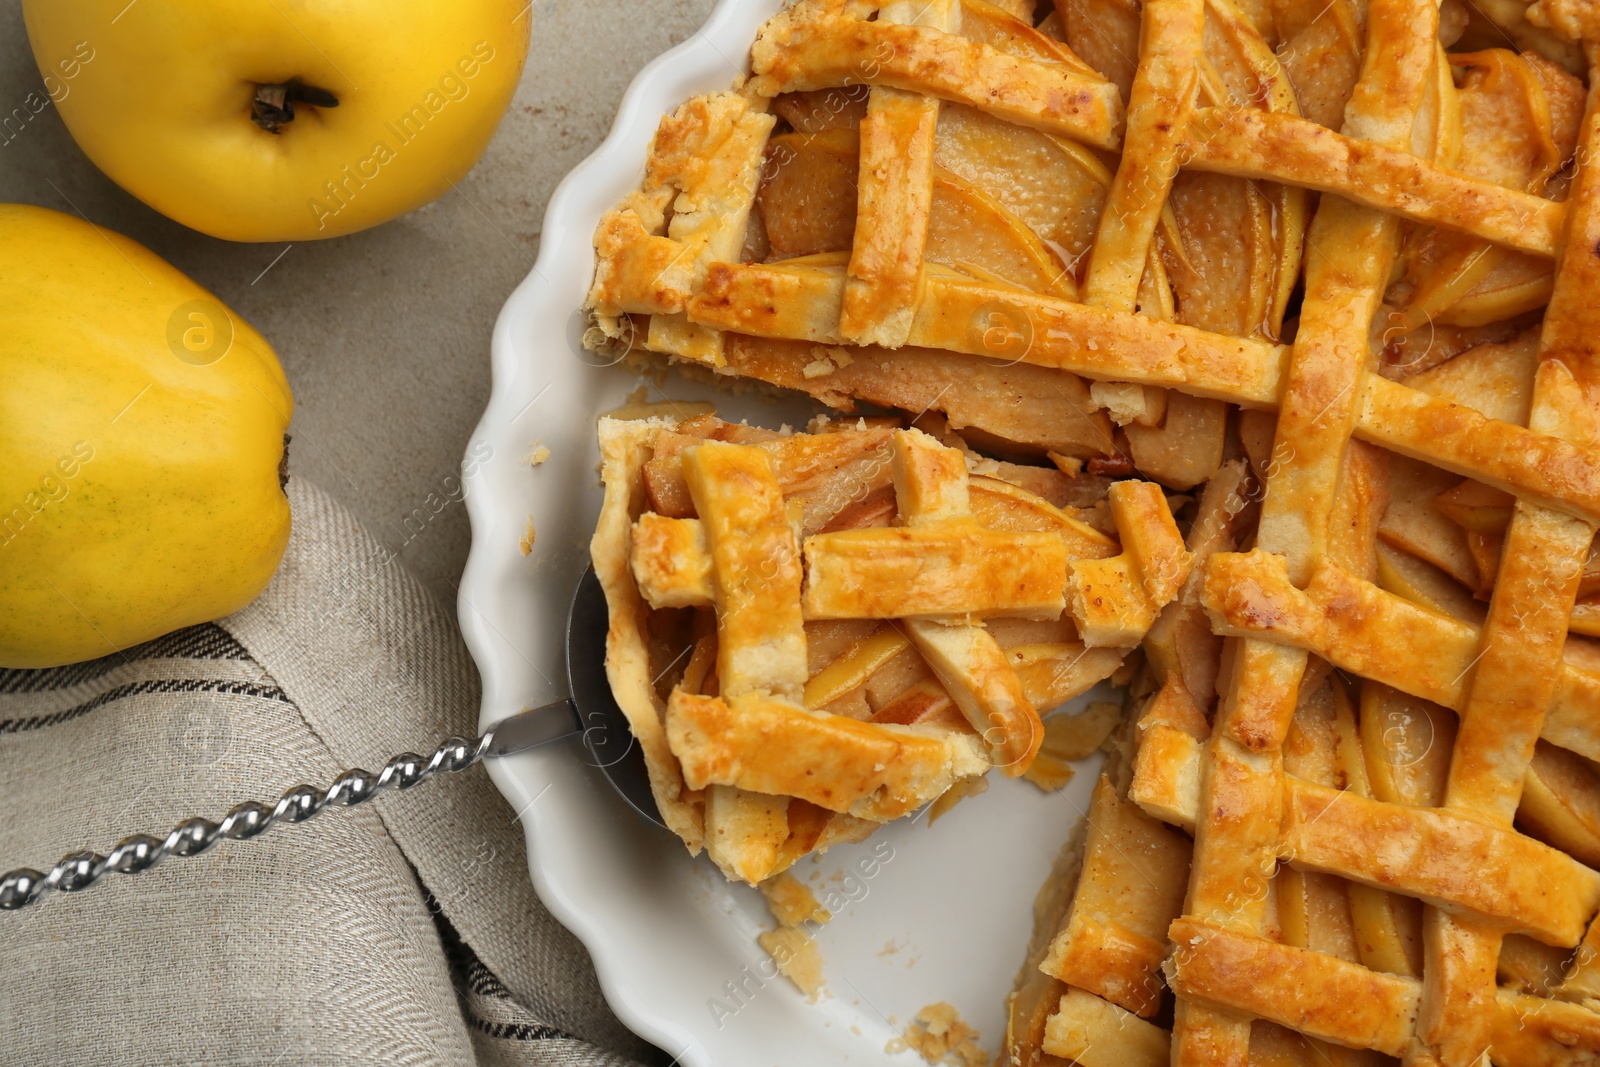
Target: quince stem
[272, 107]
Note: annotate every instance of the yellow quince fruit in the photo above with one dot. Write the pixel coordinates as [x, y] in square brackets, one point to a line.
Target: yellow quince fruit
[265, 120]
[142, 445]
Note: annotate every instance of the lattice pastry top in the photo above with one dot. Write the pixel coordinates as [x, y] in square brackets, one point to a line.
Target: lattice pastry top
[940, 201]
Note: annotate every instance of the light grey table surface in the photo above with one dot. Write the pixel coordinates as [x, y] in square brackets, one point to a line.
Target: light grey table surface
[385, 334]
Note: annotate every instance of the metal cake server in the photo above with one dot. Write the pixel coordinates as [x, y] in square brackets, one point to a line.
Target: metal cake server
[590, 710]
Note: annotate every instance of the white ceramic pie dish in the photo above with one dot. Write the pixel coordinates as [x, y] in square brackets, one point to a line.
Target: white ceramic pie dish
[921, 914]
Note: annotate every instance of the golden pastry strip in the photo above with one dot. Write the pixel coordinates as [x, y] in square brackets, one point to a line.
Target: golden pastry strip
[1429, 853]
[1237, 820]
[1360, 628]
[956, 568]
[1354, 625]
[960, 570]
[801, 301]
[1529, 1029]
[1278, 147]
[1115, 601]
[1166, 785]
[979, 677]
[807, 46]
[1564, 402]
[745, 832]
[671, 562]
[1131, 887]
[1166, 775]
[761, 641]
[1158, 115]
[1327, 997]
[941, 565]
[930, 480]
[1348, 257]
[637, 271]
[1311, 992]
[1442, 857]
[894, 194]
[1517, 673]
[951, 568]
[1347, 263]
[870, 770]
[1528, 463]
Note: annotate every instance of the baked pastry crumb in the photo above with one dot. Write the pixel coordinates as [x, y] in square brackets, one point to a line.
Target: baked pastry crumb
[796, 957]
[940, 1036]
[791, 901]
[792, 945]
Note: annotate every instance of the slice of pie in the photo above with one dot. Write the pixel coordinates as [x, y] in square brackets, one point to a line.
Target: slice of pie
[814, 633]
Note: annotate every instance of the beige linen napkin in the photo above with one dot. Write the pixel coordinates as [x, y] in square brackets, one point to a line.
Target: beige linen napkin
[404, 931]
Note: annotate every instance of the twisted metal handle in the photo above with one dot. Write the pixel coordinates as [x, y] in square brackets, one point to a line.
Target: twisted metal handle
[79, 870]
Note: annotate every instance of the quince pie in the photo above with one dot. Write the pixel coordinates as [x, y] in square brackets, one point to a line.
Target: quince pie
[1245, 350]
